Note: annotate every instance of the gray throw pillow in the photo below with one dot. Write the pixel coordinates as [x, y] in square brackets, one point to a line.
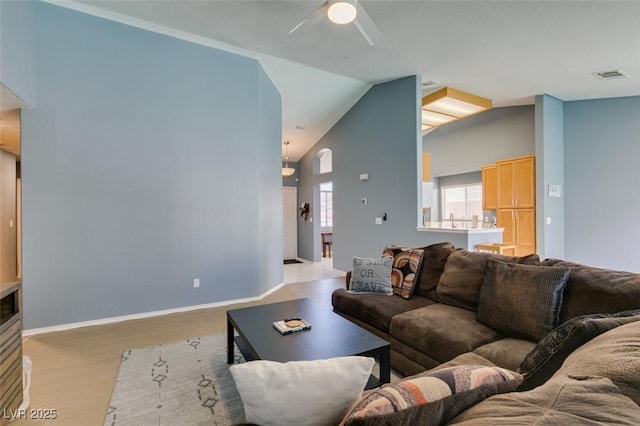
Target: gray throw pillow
[549, 354]
[371, 275]
[521, 300]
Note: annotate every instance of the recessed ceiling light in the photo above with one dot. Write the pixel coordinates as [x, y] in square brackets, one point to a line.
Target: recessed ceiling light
[609, 75]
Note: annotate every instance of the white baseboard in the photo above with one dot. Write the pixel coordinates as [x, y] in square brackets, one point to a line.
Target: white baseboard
[111, 320]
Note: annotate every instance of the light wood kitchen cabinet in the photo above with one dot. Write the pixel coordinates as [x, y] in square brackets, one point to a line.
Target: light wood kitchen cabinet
[516, 183]
[525, 231]
[506, 219]
[426, 167]
[489, 188]
[519, 229]
[510, 189]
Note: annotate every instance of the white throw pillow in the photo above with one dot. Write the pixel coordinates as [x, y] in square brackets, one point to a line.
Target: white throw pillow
[301, 393]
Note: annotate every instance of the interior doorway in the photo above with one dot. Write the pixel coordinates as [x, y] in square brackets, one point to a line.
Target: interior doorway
[326, 221]
[289, 222]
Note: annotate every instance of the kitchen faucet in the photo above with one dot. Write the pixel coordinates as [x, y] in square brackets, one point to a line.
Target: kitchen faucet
[453, 225]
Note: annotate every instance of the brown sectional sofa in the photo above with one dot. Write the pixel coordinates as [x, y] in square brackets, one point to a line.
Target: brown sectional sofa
[586, 370]
[440, 320]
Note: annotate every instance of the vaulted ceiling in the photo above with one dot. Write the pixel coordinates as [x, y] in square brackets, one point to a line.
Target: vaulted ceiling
[508, 51]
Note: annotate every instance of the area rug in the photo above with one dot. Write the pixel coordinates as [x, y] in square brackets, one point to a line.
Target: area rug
[291, 261]
[181, 383]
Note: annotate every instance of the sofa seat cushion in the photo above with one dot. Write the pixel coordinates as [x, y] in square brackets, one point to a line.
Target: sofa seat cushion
[564, 400]
[614, 355]
[375, 309]
[592, 290]
[507, 353]
[463, 275]
[467, 358]
[441, 331]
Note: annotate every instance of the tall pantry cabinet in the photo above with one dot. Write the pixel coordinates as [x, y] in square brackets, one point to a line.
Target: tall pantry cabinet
[516, 202]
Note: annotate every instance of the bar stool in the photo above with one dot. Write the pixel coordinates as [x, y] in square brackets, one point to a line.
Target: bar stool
[498, 248]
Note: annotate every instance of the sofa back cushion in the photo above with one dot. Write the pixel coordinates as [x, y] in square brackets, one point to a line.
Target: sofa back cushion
[521, 300]
[592, 290]
[433, 261]
[460, 282]
[563, 400]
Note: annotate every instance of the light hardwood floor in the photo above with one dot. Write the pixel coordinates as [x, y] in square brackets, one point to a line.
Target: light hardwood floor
[74, 371]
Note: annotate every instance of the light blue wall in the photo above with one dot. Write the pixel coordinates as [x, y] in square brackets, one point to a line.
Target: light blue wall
[602, 182]
[549, 171]
[379, 136]
[132, 185]
[466, 145]
[269, 186]
[17, 48]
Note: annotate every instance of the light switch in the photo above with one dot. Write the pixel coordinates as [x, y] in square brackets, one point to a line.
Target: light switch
[378, 221]
[11, 223]
[548, 220]
[364, 176]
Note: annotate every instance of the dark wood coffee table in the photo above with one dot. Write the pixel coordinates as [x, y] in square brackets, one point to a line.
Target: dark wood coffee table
[330, 336]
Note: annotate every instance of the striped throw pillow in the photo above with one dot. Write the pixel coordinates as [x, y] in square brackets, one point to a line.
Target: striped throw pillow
[433, 398]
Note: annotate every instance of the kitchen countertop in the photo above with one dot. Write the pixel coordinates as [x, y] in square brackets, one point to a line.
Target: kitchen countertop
[459, 229]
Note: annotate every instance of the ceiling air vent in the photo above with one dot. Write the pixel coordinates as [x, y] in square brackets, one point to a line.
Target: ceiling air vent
[610, 75]
[429, 84]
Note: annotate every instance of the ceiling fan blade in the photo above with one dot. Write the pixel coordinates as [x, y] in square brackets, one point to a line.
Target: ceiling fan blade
[366, 26]
[312, 19]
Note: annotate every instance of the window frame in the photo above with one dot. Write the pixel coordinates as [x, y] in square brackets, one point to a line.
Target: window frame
[468, 213]
[324, 210]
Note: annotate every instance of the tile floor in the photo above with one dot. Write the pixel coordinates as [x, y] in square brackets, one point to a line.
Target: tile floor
[310, 271]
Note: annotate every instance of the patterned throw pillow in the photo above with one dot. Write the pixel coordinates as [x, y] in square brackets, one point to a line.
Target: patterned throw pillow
[434, 398]
[406, 265]
[549, 354]
[371, 275]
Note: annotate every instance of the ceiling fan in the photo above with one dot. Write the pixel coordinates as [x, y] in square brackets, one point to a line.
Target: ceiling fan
[344, 12]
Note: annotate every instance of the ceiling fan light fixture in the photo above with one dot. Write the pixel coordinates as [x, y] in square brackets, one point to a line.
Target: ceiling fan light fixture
[342, 12]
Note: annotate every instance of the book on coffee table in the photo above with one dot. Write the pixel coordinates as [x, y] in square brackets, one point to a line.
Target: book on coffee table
[291, 325]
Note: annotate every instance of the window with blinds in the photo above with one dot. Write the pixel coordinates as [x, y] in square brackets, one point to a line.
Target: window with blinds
[463, 201]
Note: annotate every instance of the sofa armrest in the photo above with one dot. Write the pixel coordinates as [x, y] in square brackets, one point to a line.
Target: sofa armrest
[348, 280]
